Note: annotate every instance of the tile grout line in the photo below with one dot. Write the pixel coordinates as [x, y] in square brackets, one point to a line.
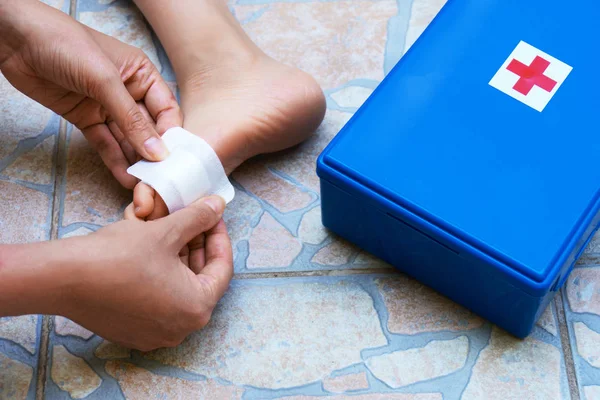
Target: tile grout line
[316, 273]
[43, 358]
[73, 9]
[566, 347]
[47, 319]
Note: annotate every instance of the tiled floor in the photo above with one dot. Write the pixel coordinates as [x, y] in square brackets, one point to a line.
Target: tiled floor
[308, 315]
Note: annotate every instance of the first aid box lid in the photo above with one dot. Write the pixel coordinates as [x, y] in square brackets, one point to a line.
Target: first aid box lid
[487, 128]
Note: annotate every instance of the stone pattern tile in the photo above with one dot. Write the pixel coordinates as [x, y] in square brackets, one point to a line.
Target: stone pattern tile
[422, 13]
[315, 337]
[591, 254]
[109, 351]
[346, 383]
[91, 195]
[582, 307]
[516, 369]
[59, 4]
[19, 343]
[64, 327]
[405, 367]
[271, 245]
[23, 119]
[351, 96]
[373, 396]
[24, 213]
[591, 392]
[72, 374]
[336, 42]
[415, 308]
[27, 145]
[140, 384]
[34, 166]
[19, 352]
[15, 378]
[20, 330]
[247, 346]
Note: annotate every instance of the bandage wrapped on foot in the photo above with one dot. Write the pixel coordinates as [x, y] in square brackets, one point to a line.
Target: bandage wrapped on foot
[191, 171]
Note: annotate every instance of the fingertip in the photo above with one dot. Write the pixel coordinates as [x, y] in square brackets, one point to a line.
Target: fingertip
[139, 130]
[120, 173]
[156, 149]
[216, 203]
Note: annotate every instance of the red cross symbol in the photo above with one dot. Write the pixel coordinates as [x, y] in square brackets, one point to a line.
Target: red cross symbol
[531, 75]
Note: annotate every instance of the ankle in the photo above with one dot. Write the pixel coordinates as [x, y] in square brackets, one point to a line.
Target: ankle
[220, 44]
[220, 69]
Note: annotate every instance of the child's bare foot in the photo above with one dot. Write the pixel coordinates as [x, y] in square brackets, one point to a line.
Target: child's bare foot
[235, 97]
[248, 107]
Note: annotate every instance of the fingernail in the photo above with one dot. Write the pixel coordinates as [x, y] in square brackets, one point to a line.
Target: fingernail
[156, 148]
[216, 203]
[136, 210]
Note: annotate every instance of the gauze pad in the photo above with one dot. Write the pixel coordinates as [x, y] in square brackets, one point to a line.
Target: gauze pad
[191, 171]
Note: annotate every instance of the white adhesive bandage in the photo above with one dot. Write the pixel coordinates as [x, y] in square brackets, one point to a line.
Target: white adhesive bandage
[191, 171]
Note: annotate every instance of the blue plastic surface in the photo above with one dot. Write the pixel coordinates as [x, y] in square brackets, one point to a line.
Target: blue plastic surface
[470, 188]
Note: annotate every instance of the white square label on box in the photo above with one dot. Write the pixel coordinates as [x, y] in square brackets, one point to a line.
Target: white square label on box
[531, 76]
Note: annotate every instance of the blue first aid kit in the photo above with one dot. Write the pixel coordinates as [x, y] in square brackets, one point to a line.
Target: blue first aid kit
[473, 165]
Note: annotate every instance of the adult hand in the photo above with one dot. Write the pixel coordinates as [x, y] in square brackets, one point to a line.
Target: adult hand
[91, 79]
[137, 288]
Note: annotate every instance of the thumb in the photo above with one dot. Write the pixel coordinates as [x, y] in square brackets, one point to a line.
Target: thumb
[197, 218]
[138, 131]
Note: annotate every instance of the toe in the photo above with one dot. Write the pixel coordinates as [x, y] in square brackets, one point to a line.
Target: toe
[143, 200]
[160, 209]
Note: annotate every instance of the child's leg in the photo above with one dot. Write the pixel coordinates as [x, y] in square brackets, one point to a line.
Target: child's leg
[239, 100]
